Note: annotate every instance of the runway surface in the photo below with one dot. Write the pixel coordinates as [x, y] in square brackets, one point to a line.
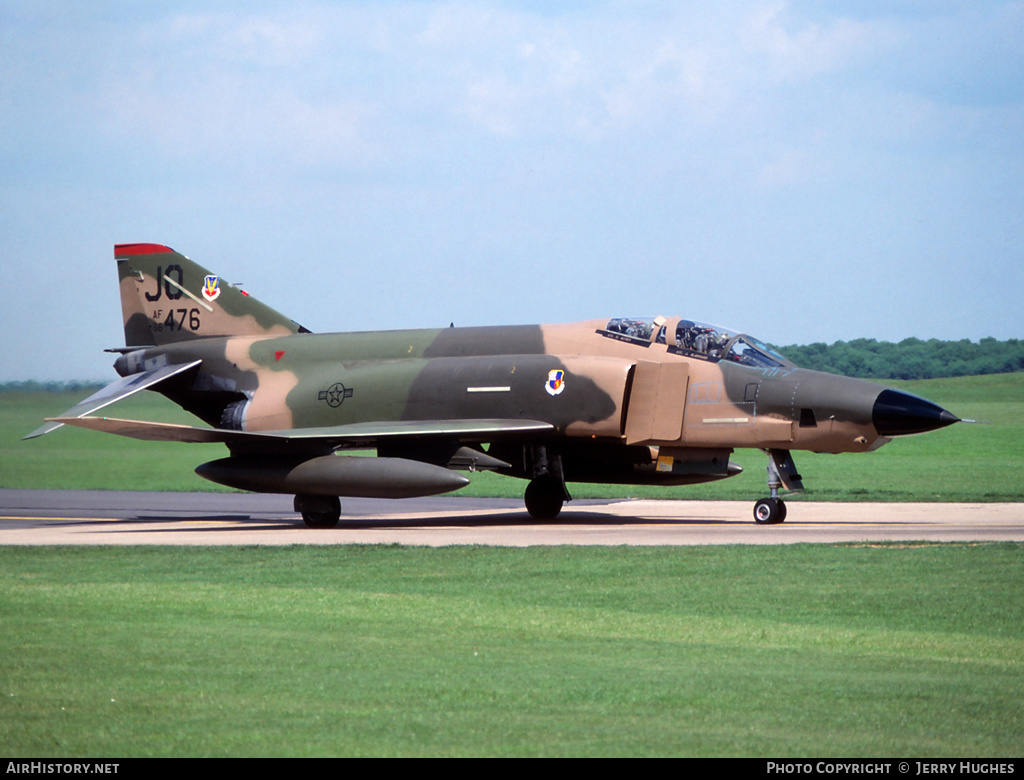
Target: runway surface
[36, 517]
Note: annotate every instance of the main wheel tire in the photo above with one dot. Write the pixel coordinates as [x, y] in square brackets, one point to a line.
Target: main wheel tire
[319, 511]
[769, 511]
[544, 498]
[320, 519]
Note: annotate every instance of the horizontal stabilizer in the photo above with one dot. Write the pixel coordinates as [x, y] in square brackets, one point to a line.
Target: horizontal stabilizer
[115, 391]
[353, 435]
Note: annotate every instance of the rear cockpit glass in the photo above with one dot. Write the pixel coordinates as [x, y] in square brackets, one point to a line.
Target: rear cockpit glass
[702, 340]
[636, 329]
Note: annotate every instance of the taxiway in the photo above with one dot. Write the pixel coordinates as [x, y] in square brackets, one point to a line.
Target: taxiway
[32, 517]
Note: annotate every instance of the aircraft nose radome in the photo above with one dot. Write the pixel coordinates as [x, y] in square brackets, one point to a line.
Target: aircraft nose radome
[897, 414]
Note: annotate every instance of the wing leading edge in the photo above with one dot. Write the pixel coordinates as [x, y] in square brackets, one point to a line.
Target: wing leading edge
[353, 435]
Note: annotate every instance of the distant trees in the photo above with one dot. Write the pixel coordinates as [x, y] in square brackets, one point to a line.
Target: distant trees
[32, 386]
[911, 358]
[867, 358]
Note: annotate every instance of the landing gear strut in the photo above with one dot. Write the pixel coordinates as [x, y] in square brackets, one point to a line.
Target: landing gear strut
[781, 473]
[319, 511]
[547, 491]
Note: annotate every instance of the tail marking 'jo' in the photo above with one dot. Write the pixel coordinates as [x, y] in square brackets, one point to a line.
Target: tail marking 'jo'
[166, 298]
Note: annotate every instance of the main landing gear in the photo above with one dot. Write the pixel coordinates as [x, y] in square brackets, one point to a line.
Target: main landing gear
[319, 511]
[547, 491]
[781, 473]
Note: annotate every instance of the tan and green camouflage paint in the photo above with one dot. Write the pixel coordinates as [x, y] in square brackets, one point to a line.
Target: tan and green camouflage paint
[613, 392]
[162, 301]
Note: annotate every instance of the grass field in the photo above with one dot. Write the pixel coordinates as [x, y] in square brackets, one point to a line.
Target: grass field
[982, 462]
[807, 650]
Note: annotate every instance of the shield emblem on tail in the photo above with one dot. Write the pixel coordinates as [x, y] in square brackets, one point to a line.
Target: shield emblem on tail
[211, 287]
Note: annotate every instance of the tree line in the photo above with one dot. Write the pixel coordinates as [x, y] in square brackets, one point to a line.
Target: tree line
[32, 386]
[911, 358]
[866, 358]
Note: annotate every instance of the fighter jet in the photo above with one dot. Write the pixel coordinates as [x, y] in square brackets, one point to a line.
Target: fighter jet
[626, 400]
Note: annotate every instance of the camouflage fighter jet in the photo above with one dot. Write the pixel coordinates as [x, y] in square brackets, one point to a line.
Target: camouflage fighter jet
[657, 401]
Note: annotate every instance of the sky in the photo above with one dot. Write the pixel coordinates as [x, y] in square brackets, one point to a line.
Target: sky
[800, 171]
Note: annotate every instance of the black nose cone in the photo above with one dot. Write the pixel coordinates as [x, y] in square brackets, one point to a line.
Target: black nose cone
[898, 414]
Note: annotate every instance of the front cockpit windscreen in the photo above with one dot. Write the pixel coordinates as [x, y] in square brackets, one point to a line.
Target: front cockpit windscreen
[696, 339]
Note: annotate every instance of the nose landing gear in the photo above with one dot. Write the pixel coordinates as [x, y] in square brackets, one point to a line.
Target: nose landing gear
[781, 473]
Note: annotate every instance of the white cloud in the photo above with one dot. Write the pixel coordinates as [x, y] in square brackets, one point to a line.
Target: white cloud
[789, 46]
[450, 140]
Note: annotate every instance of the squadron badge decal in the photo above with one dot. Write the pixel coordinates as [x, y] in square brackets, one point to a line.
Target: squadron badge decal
[211, 287]
[556, 381]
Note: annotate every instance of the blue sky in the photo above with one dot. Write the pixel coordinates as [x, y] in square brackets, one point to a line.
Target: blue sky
[802, 171]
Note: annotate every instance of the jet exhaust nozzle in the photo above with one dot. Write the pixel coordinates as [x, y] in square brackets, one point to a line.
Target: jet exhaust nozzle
[899, 414]
[332, 475]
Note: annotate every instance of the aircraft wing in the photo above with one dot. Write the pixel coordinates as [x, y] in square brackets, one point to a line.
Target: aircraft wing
[352, 435]
[115, 391]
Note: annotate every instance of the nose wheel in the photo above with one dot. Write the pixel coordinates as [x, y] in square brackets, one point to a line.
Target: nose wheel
[768, 511]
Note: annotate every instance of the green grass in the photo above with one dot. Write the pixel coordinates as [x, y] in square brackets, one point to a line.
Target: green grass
[894, 650]
[856, 650]
[73, 458]
[983, 462]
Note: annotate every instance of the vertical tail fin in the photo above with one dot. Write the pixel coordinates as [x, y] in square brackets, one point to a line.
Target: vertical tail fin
[165, 297]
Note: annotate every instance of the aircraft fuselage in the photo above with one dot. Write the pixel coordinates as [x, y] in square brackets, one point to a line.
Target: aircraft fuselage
[654, 400]
[628, 392]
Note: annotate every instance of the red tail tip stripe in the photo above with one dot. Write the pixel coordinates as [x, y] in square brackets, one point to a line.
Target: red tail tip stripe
[127, 250]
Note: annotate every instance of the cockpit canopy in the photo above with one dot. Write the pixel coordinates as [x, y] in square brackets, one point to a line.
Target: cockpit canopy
[696, 339]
